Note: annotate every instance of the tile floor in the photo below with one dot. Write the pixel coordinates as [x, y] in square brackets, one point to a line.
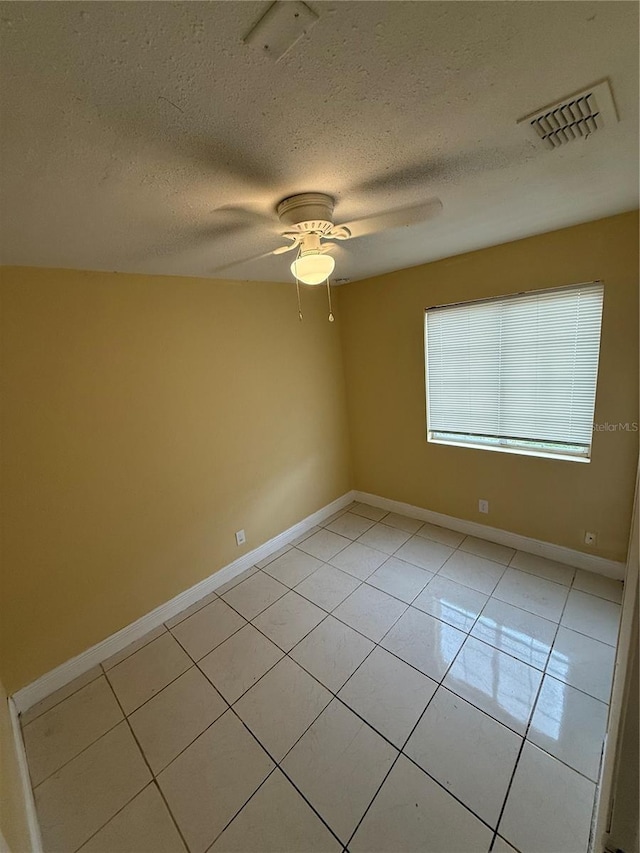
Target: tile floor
[385, 685]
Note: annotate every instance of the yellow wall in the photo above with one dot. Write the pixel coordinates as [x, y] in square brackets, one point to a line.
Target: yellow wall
[552, 500]
[13, 816]
[146, 419]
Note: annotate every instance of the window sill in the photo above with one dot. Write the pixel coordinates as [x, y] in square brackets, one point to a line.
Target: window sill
[513, 450]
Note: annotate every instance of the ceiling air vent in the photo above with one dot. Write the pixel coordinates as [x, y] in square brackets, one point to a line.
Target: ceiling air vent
[574, 117]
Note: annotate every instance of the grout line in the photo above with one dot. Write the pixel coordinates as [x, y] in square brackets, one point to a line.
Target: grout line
[176, 620]
[278, 765]
[24, 726]
[77, 755]
[115, 814]
[139, 648]
[144, 758]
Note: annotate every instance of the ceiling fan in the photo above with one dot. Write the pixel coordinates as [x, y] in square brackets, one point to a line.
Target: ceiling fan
[307, 221]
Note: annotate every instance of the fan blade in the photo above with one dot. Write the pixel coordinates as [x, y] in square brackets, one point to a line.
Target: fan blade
[250, 216]
[398, 218]
[338, 232]
[282, 249]
[241, 261]
[427, 170]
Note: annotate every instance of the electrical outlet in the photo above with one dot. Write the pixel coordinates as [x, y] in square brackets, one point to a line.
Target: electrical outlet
[483, 506]
[590, 538]
[240, 537]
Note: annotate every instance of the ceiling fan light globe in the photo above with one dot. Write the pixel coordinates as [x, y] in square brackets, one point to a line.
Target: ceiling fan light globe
[313, 268]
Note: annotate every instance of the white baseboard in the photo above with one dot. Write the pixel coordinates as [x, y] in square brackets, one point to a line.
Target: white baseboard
[66, 672]
[25, 781]
[578, 559]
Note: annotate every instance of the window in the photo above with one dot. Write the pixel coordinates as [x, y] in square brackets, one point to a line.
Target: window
[516, 373]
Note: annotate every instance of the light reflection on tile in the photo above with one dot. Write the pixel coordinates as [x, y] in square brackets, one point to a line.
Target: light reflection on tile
[582, 662]
[495, 682]
[452, 602]
[519, 633]
[570, 726]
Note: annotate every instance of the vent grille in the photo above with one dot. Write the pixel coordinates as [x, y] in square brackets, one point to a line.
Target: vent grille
[575, 117]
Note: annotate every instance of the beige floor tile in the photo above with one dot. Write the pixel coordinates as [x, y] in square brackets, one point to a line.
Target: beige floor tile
[61, 733]
[368, 511]
[582, 662]
[425, 642]
[327, 587]
[281, 706]
[272, 557]
[55, 698]
[501, 846]
[549, 805]
[168, 723]
[212, 779]
[293, 567]
[146, 672]
[235, 665]
[598, 585]
[384, 538]
[452, 602]
[189, 611]
[143, 826]
[330, 519]
[424, 553]
[473, 571]
[543, 568]
[88, 791]
[468, 752]
[288, 620]
[207, 628]
[532, 593]
[255, 594]
[403, 522]
[114, 660]
[324, 544]
[338, 765]
[413, 814]
[243, 576]
[359, 560]
[569, 725]
[350, 525]
[276, 820]
[389, 694]
[593, 616]
[305, 535]
[370, 611]
[440, 534]
[521, 634]
[400, 579]
[496, 683]
[332, 652]
[488, 550]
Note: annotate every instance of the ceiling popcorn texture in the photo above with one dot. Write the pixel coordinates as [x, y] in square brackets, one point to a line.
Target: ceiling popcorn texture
[135, 136]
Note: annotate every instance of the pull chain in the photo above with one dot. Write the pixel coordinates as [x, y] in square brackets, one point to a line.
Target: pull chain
[331, 317]
[299, 306]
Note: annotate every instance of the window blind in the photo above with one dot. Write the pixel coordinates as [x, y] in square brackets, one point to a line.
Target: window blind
[519, 369]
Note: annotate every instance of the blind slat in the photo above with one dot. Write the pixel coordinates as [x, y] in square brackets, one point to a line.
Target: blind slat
[522, 366]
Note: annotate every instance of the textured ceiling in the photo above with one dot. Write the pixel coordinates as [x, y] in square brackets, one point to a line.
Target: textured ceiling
[125, 127]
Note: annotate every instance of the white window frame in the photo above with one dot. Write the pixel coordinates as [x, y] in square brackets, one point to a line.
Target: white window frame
[501, 444]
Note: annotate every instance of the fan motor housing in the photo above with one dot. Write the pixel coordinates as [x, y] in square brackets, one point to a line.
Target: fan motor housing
[307, 212]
